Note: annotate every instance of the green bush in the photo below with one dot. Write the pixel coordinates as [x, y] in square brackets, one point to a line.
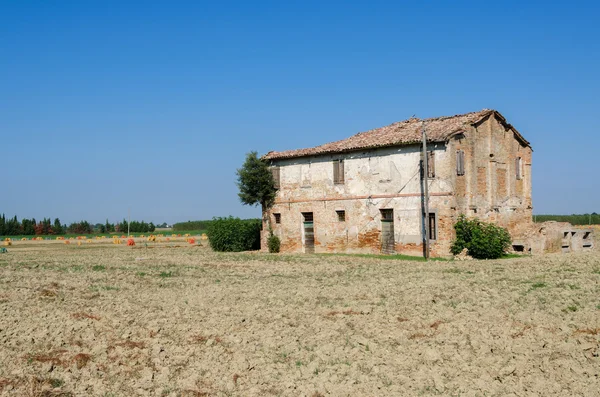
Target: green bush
[274, 243]
[234, 234]
[481, 239]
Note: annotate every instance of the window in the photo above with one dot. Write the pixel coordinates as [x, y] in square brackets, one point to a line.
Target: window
[277, 218]
[519, 168]
[308, 216]
[387, 214]
[338, 172]
[432, 230]
[460, 162]
[341, 214]
[276, 176]
[431, 164]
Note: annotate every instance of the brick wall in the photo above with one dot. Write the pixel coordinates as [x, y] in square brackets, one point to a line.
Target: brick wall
[389, 178]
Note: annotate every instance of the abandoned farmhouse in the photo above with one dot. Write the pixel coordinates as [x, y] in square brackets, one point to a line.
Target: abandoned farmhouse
[366, 193]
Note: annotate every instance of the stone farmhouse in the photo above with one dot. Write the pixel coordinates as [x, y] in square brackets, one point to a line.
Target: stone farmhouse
[365, 193]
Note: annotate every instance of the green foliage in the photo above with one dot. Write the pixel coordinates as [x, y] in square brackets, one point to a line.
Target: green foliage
[109, 227]
[274, 243]
[29, 227]
[191, 225]
[234, 234]
[255, 182]
[481, 239]
[581, 219]
[82, 227]
[58, 227]
[135, 227]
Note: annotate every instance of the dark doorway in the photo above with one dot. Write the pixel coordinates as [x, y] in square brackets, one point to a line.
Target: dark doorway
[387, 231]
[309, 232]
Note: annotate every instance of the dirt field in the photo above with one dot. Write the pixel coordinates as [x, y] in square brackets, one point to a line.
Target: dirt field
[106, 320]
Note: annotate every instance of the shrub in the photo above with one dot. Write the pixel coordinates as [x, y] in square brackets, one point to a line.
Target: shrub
[274, 243]
[481, 239]
[234, 234]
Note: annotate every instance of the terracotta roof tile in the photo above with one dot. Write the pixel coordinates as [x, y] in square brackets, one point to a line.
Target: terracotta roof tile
[405, 132]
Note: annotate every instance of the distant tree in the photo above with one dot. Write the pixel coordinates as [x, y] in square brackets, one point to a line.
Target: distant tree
[82, 227]
[58, 229]
[28, 227]
[122, 226]
[44, 228]
[39, 229]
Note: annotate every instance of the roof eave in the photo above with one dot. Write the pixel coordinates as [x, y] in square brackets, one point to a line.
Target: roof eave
[349, 150]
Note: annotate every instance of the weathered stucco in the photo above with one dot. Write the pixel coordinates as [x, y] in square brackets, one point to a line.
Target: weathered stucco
[390, 178]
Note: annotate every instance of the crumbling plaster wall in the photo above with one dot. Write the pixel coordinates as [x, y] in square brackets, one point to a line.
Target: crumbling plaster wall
[390, 178]
[385, 178]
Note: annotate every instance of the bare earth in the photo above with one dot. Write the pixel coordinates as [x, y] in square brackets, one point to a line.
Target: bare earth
[109, 320]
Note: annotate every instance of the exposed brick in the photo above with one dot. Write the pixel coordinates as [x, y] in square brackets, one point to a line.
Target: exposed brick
[388, 178]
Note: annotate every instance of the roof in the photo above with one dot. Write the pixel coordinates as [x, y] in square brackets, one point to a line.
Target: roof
[439, 129]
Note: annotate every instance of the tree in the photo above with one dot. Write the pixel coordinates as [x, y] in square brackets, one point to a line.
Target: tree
[28, 227]
[58, 229]
[255, 182]
[123, 226]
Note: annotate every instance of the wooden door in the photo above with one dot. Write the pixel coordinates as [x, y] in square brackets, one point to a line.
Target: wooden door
[387, 232]
[309, 233]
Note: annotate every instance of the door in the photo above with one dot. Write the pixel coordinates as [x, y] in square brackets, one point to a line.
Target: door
[309, 232]
[387, 231]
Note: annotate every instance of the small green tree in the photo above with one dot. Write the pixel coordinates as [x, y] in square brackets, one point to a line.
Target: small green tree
[481, 239]
[255, 182]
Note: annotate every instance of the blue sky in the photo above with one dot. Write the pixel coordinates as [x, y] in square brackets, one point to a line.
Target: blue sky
[107, 105]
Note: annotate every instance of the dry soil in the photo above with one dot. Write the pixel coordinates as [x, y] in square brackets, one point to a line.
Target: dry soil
[109, 320]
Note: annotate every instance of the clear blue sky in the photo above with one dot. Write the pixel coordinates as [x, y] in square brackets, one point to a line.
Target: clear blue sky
[106, 105]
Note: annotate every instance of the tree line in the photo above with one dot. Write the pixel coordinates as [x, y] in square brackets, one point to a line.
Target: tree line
[575, 219]
[31, 227]
[191, 225]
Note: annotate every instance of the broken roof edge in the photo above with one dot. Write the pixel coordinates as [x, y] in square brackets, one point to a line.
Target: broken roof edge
[509, 126]
[320, 150]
